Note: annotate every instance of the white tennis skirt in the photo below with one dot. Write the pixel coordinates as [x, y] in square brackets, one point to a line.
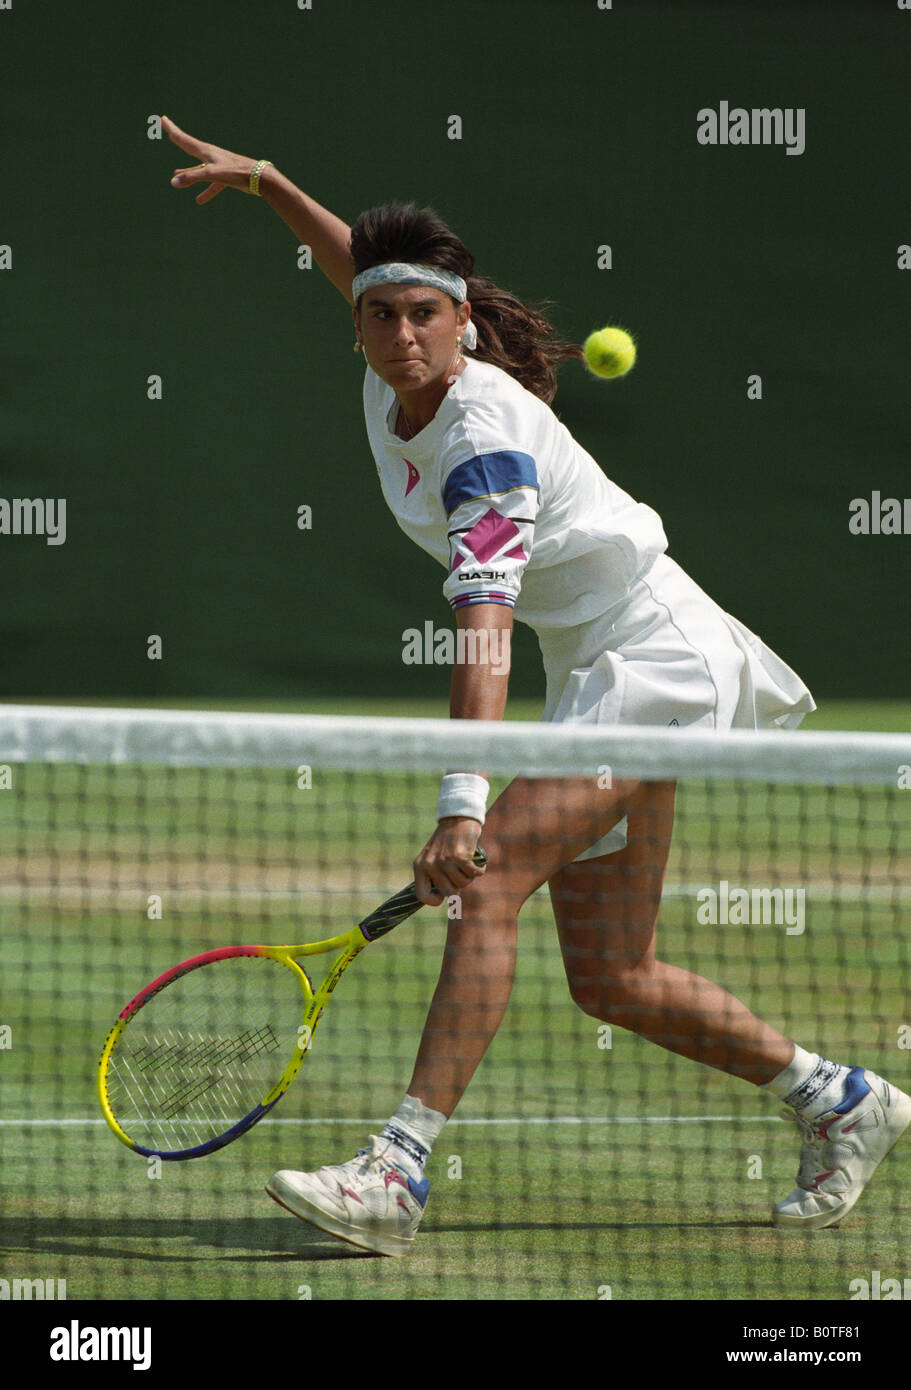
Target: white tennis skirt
[670, 656]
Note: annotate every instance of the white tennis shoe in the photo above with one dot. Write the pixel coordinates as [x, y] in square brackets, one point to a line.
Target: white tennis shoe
[367, 1201]
[841, 1151]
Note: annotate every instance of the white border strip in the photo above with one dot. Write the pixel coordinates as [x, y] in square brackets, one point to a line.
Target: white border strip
[200, 738]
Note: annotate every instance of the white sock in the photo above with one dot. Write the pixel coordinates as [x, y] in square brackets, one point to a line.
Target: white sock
[413, 1130]
[809, 1084]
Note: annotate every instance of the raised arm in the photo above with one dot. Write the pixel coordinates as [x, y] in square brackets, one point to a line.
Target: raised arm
[327, 235]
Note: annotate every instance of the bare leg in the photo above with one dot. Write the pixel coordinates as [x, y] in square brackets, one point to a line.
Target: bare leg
[607, 911]
[534, 830]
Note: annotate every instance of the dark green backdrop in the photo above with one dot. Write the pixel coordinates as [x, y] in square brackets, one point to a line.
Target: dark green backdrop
[579, 130]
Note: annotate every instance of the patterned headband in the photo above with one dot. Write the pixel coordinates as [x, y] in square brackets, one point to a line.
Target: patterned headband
[400, 273]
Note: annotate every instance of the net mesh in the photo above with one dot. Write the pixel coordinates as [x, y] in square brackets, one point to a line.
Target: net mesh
[591, 1156]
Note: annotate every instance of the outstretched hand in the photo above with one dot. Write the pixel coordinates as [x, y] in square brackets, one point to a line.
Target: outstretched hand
[217, 167]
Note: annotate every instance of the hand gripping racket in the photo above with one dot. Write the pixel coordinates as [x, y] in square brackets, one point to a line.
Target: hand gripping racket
[206, 1050]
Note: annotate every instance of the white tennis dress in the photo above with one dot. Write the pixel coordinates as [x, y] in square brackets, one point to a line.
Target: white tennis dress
[497, 490]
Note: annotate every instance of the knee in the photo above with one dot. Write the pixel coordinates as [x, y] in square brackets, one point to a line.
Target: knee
[609, 997]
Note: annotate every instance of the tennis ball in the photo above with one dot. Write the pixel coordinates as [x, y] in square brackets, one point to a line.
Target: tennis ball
[609, 352]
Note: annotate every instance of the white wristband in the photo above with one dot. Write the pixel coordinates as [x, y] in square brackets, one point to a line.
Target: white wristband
[463, 794]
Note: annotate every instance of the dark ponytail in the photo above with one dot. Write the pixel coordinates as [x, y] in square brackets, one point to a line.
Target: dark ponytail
[511, 335]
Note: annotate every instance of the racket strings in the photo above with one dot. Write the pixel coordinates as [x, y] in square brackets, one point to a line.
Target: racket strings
[168, 1055]
[203, 1052]
[192, 1064]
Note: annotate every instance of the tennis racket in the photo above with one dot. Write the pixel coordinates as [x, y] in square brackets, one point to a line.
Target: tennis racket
[207, 1049]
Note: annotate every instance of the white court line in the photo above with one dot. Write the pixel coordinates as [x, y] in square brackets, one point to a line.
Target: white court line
[87, 1122]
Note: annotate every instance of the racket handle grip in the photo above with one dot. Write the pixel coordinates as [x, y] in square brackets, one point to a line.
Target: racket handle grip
[401, 906]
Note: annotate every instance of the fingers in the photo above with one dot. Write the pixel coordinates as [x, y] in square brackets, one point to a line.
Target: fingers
[180, 137]
[199, 151]
[426, 889]
[209, 193]
[184, 178]
[444, 870]
[181, 177]
[217, 168]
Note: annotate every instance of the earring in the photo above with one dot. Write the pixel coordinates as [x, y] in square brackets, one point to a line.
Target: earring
[358, 345]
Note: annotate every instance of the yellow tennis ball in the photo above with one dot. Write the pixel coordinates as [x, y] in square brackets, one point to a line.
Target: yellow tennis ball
[609, 352]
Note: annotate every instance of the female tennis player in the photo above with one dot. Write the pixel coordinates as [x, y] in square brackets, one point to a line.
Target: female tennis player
[478, 470]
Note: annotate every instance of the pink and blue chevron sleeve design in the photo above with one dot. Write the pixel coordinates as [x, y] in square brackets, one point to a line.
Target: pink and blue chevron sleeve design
[491, 503]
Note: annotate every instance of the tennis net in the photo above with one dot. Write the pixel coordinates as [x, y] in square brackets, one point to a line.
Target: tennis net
[584, 1161]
